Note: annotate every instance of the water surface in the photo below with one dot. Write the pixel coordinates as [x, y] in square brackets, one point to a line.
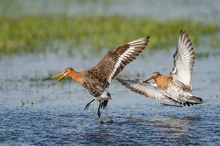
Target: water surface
[32, 114]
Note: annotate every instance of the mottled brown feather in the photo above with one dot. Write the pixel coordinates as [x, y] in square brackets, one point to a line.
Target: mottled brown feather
[105, 67]
[96, 79]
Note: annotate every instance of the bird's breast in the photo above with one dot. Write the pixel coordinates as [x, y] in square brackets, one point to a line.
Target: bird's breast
[94, 85]
[164, 81]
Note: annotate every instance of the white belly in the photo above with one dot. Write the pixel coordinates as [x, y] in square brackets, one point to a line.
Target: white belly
[177, 93]
[105, 96]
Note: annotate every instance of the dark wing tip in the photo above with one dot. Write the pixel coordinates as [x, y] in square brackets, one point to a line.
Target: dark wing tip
[147, 38]
[182, 32]
[143, 40]
[183, 35]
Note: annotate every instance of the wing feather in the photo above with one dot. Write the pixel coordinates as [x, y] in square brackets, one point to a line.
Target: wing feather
[116, 59]
[184, 59]
[145, 88]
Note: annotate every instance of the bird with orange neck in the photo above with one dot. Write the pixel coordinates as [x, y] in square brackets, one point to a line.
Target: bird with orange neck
[98, 78]
[177, 86]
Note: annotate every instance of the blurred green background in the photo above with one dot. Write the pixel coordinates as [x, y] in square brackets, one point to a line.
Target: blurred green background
[30, 26]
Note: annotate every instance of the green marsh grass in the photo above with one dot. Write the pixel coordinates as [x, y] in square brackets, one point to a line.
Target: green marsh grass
[41, 33]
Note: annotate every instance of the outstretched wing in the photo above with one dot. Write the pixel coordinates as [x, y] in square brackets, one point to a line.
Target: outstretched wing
[184, 59]
[115, 60]
[145, 88]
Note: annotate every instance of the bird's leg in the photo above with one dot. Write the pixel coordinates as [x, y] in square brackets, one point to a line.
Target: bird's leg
[99, 113]
[88, 104]
[175, 105]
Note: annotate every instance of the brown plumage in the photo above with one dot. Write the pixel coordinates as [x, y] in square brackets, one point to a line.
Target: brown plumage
[162, 81]
[175, 87]
[98, 78]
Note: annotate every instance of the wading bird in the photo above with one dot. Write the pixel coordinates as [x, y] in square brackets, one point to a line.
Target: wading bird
[98, 78]
[177, 86]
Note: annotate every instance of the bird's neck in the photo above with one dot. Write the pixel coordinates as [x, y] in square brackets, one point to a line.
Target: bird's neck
[156, 77]
[77, 76]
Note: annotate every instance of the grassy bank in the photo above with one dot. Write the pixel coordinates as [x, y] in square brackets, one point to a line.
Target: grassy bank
[39, 33]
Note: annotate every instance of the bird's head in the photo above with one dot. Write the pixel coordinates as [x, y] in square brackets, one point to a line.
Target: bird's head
[154, 76]
[66, 72]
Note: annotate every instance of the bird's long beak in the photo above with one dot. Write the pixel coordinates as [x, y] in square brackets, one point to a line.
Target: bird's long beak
[59, 76]
[149, 79]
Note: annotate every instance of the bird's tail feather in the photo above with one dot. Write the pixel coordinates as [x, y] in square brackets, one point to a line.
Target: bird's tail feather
[193, 100]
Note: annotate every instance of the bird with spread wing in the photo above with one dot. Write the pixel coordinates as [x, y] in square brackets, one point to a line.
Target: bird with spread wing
[98, 78]
[177, 86]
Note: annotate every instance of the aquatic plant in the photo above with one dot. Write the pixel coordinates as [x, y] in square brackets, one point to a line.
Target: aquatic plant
[41, 33]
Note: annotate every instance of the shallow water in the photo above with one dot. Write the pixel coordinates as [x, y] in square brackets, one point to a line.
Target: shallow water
[32, 114]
